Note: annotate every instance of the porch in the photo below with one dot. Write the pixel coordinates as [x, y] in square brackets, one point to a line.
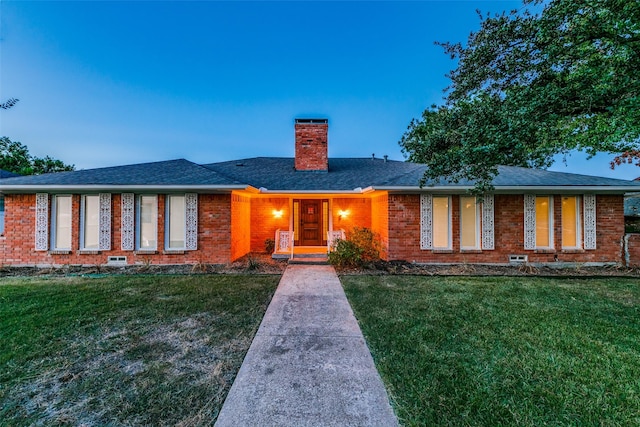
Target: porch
[285, 247]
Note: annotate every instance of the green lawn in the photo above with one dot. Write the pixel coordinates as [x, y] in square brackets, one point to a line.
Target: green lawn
[504, 351]
[124, 350]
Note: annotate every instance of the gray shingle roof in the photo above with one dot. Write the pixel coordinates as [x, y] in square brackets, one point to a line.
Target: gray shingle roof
[171, 173]
[278, 174]
[345, 174]
[6, 174]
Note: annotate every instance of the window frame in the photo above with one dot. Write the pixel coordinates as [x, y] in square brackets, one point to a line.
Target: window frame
[167, 223]
[138, 223]
[433, 224]
[551, 222]
[578, 222]
[54, 222]
[83, 222]
[478, 213]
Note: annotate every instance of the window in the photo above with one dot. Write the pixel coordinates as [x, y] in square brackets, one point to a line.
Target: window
[544, 227]
[441, 223]
[1, 214]
[571, 222]
[90, 237]
[147, 221]
[62, 223]
[176, 222]
[469, 223]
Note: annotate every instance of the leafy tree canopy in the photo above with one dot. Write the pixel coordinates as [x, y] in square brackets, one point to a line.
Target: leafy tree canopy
[15, 157]
[556, 76]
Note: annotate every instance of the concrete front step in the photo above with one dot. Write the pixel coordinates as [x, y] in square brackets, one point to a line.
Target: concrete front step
[309, 261]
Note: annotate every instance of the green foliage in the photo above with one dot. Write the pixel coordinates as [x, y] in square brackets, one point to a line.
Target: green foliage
[269, 245]
[531, 84]
[8, 103]
[360, 246]
[15, 157]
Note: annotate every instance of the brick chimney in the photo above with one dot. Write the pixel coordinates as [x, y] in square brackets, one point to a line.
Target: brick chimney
[311, 145]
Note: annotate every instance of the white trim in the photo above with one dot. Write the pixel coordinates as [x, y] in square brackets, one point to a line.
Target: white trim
[590, 220]
[488, 222]
[529, 221]
[104, 239]
[139, 222]
[83, 222]
[476, 211]
[426, 221]
[127, 230]
[42, 222]
[449, 231]
[578, 209]
[54, 222]
[191, 218]
[550, 215]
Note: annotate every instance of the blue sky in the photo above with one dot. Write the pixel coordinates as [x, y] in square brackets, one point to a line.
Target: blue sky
[109, 83]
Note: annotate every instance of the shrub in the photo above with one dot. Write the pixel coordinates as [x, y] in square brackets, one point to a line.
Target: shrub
[361, 246]
[269, 245]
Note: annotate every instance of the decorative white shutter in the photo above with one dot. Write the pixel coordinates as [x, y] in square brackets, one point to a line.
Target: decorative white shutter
[128, 222]
[191, 218]
[589, 201]
[529, 221]
[426, 221]
[104, 241]
[42, 222]
[488, 222]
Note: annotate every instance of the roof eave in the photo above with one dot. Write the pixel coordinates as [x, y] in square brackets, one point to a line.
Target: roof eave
[568, 189]
[16, 189]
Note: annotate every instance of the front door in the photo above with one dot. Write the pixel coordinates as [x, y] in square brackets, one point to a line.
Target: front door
[310, 226]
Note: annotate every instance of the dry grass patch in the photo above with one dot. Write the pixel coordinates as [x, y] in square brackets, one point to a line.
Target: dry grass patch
[146, 350]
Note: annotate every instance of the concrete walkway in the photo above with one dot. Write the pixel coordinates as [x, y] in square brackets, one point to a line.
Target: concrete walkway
[308, 364]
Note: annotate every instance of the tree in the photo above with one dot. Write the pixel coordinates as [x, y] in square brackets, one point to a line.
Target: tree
[553, 77]
[8, 103]
[15, 157]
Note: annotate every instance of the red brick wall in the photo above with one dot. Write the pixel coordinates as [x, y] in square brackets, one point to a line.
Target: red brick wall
[263, 221]
[228, 229]
[404, 233]
[311, 146]
[17, 245]
[358, 213]
[380, 220]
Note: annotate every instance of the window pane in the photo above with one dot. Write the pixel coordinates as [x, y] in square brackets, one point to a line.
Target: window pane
[177, 221]
[542, 221]
[63, 222]
[570, 221]
[148, 220]
[91, 222]
[441, 222]
[468, 222]
[296, 218]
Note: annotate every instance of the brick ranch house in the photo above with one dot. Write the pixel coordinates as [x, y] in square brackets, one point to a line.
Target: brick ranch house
[176, 211]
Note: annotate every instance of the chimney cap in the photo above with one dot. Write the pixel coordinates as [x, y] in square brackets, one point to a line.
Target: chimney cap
[312, 121]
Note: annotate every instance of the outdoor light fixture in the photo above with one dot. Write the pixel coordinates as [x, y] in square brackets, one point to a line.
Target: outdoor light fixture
[277, 213]
[343, 214]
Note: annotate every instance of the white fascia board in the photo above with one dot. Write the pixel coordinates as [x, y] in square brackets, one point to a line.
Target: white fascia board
[267, 191]
[514, 189]
[120, 188]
